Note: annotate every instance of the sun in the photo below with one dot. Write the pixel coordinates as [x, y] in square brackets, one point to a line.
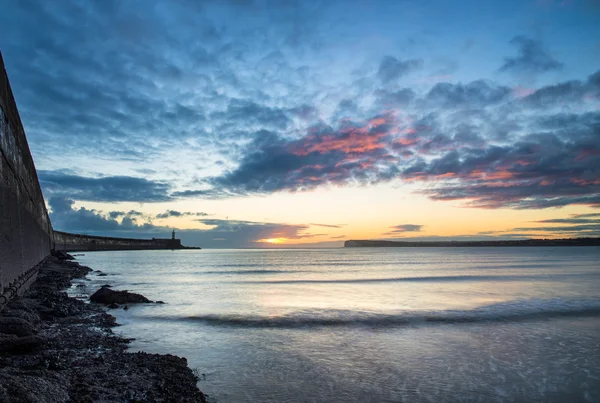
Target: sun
[272, 240]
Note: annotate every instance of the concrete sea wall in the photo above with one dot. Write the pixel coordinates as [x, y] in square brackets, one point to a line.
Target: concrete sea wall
[26, 235]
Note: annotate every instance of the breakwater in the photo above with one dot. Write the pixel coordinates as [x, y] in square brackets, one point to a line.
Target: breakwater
[77, 242]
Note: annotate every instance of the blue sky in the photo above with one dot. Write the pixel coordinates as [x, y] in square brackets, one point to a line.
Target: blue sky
[255, 121]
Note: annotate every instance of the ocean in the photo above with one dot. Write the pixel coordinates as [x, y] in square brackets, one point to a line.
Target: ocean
[369, 324]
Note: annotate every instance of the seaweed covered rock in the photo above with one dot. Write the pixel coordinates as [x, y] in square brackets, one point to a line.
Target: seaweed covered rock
[17, 326]
[108, 296]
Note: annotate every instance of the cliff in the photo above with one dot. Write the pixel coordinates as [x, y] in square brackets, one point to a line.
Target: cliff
[524, 242]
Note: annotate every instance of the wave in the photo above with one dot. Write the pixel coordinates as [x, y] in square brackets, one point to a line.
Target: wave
[502, 312]
[250, 272]
[422, 279]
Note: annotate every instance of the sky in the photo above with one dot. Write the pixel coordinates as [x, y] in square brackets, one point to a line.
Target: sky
[276, 123]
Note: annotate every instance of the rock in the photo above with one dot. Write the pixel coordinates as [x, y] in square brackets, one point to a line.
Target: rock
[106, 295]
[21, 344]
[125, 308]
[102, 275]
[107, 285]
[159, 302]
[32, 317]
[114, 305]
[62, 255]
[17, 326]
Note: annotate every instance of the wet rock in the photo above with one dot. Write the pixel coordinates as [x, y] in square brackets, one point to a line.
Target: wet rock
[29, 316]
[24, 344]
[62, 255]
[114, 305]
[106, 295]
[23, 386]
[159, 302]
[107, 285]
[17, 326]
[102, 275]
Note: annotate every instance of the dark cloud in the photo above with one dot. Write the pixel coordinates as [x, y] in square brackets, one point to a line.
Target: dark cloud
[85, 221]
[402, 228]
[582, 230]
[475, 94]
[546, 169]
[351, 152]
[391, 68]
[565, 94]
[586, 215]
[548, 161]
[207, 193]
[103, 189]
[221, 234]
[248, 112]
[572, 220]
[395, 99]
[328, 225]
[175, 213]
[531, 58]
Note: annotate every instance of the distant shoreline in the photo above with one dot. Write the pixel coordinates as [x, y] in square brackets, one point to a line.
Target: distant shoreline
[445, 244]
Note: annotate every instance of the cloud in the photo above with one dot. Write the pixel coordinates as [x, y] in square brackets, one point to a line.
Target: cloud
[65, 217]
[220, 234]
[531, 58]
[328, 225]
[395, 99]
[402, 228]
[572, 220]
[472, 154]
[581, 230]
[474, 94]
[247, 112]
[391, 68]
[567, 94]
[103, 189]
[175, 213]
[215, 108]
[542, 169]
[352, 152]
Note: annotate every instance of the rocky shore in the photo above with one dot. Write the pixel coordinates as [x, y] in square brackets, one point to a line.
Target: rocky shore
[54, 348]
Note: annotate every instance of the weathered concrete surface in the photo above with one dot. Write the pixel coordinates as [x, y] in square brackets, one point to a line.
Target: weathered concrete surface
[26, 236]
[76, 242]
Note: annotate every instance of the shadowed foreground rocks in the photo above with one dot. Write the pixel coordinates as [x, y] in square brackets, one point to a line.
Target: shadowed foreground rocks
[54, 348]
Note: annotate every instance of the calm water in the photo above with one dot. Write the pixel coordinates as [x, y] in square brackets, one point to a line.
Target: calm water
[370, 325]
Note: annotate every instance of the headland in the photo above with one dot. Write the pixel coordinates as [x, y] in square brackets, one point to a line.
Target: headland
[441, 244]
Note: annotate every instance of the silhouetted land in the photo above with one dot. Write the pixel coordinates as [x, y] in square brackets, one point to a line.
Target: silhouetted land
[523, 242]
